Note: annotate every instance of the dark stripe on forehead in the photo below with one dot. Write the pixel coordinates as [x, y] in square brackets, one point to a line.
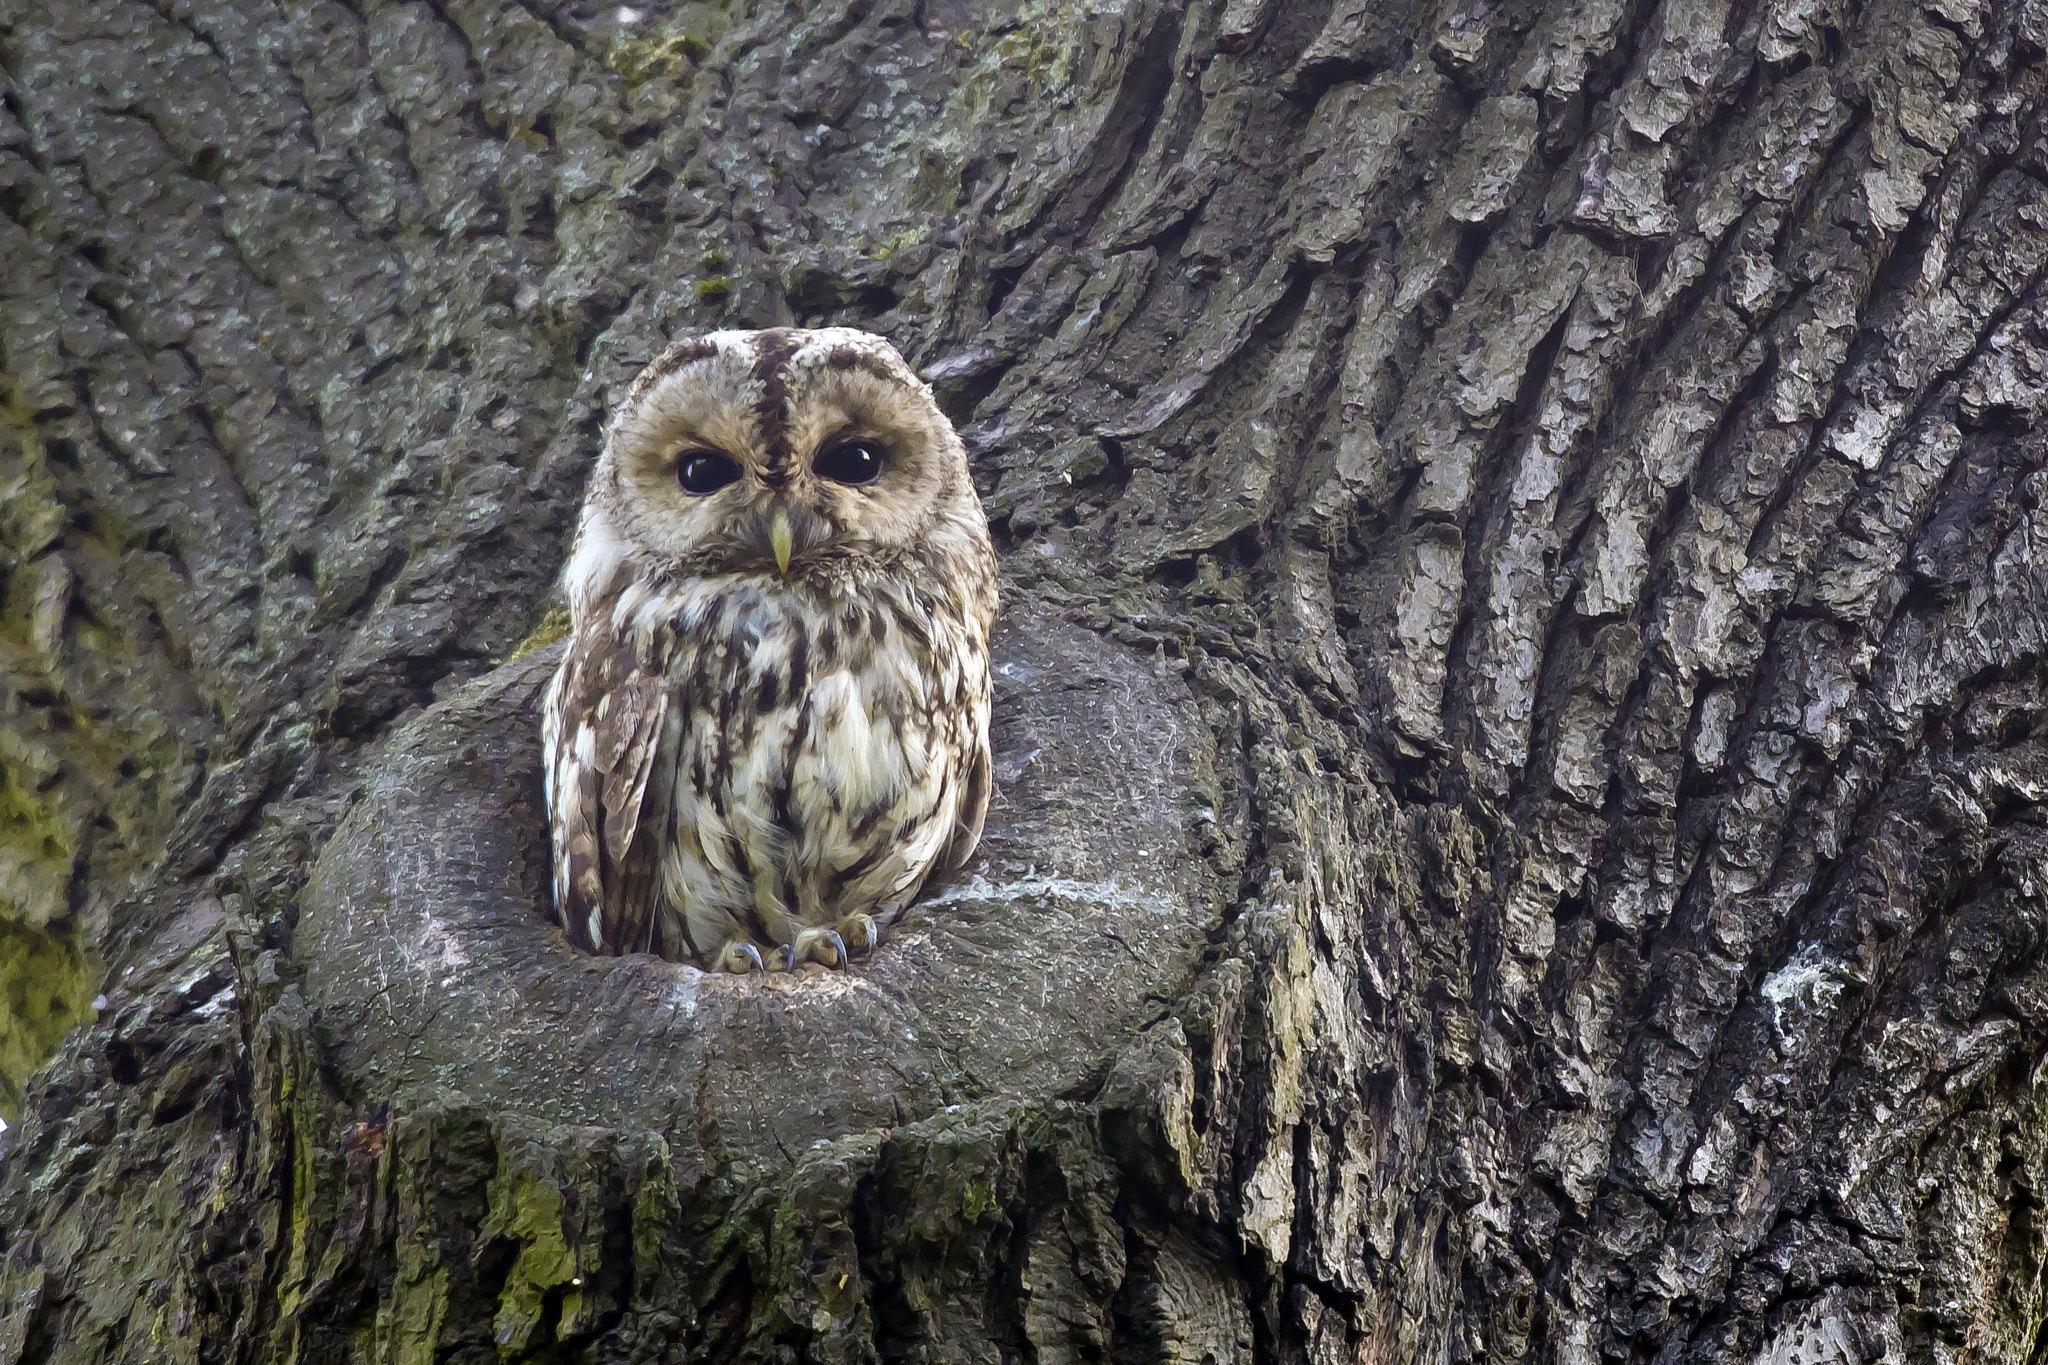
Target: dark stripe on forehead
[859, 358]
[678, 354]
[773, 348]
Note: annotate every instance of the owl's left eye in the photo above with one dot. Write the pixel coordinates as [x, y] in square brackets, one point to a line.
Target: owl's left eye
[705, 471]
[856, 462]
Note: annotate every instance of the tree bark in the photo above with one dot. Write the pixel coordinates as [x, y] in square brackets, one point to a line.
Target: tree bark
[1522, 728]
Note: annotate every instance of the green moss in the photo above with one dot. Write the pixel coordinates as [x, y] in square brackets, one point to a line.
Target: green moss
[665, 57]
[46, 988]
[32, 824]
[1042, 47]
[552, 627]
[714, 287]
[31, 515]
[302, 1190]
[527, 1209]
[418, 1309]
[909, 237]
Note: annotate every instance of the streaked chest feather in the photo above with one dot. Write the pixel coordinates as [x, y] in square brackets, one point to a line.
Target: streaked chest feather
[817, 742]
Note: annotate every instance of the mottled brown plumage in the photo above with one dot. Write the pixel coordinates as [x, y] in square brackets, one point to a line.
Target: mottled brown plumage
[771, 724]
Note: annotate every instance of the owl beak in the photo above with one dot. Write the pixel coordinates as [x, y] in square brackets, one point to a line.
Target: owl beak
[780, 540]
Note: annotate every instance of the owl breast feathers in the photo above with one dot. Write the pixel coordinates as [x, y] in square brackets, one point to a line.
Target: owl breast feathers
[770, 727]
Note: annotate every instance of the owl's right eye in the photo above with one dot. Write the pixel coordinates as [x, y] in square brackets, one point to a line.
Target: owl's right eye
[705, 471]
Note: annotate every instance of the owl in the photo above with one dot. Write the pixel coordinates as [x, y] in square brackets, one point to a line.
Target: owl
[770, 727]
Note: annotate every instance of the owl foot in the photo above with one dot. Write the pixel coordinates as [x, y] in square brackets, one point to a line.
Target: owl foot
[860, 932]
[737, 957]
[829, 946]
[816, 945]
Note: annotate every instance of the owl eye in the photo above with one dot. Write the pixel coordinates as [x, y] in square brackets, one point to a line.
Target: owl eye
[856, 462]
[705, 471]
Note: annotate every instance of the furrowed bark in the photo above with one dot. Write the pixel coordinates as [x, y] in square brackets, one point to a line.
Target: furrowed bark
[1521, 721]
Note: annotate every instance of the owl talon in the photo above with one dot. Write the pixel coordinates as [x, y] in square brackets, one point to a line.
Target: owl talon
[818, 945]
[861, 931]
[739, 958]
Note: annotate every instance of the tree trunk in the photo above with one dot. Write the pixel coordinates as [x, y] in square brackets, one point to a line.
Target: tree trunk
[1522, 727]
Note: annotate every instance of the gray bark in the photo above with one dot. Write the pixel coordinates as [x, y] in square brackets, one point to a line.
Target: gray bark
[1520, 724]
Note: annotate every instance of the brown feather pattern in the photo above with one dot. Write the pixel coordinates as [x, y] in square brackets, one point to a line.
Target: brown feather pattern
[736, 755]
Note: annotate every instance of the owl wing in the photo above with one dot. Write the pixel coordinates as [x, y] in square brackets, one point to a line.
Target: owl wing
[973, 811]
[604, 735]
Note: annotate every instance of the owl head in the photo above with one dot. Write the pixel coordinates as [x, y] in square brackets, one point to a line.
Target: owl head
[788, 453]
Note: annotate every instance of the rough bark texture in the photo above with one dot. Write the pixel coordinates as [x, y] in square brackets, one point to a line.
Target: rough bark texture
[1522, 729]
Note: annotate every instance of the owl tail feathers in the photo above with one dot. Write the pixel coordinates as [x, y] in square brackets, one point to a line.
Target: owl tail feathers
[582, 890]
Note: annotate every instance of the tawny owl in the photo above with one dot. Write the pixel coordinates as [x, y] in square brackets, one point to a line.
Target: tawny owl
[771, 724]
